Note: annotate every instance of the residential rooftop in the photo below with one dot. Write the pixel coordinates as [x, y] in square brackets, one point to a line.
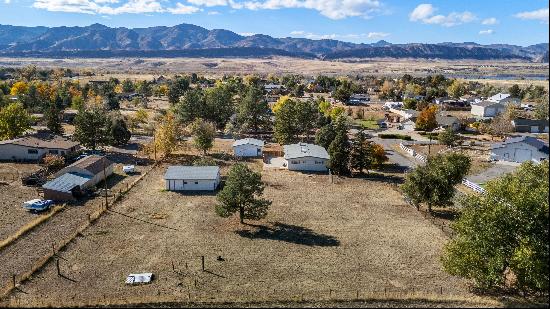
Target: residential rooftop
[192, 172]
[302, 150]
[42, 140]
[251, 141]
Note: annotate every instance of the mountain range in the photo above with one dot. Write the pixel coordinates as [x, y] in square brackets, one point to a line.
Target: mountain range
[186, 40]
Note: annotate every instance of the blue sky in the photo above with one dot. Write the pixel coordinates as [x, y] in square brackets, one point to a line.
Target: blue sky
[487, 21]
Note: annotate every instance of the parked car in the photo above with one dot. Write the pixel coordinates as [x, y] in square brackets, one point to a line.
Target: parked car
[38, 205]
[129, 169]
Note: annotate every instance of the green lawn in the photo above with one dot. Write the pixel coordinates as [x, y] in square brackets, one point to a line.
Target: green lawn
[367, 124]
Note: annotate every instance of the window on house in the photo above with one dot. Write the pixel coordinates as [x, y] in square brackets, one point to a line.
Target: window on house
[295, 162]
[54, 151]
[196, 182]
[32, 151]
[185, 182]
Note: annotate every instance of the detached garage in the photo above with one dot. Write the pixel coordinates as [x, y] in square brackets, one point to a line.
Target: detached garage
[248, 147]
[520, 149]
[192, 178]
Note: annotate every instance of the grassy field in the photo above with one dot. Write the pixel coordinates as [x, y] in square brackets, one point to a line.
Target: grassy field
[368, 124]
[149, 68]
[312, 242]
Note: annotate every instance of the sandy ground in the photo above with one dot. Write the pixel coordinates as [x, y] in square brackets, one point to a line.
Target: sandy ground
[354, 235]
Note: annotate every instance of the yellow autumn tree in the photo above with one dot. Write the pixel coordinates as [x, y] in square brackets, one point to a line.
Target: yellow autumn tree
[165, 137]
[19, 87]
[426, 120]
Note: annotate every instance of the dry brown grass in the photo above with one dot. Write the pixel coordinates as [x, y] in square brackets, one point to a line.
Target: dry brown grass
[30, 225]
[354, 235]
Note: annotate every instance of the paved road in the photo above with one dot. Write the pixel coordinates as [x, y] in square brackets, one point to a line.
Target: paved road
[491, 173]
[394, 156]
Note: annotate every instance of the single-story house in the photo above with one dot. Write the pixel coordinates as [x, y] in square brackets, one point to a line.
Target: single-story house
[405, 113]
[358, 99]
[248, 147]
[530, 125]
[192, 178]
[504, 99]
[70, 182]
[34, 147]
[520, 149]
[448, 121]
[69, 115]
[306, 157]
[408, 124]
[487, 109]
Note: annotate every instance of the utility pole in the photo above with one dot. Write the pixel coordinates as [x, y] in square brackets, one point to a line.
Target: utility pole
[430, 144]
[155, 146]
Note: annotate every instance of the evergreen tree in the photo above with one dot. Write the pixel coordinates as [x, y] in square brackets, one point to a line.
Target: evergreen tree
[253, 113]
[191, 106]
[177, 88]
[339, 149]
[361, 156]
[325, 135]
[118, 131]
[242, 193]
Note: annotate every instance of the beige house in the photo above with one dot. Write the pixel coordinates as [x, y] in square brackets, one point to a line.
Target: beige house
[36, 146]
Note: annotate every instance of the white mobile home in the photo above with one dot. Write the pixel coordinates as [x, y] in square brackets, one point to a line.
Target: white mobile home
[306, 157]
[192, 178]
[248, 147]
[520, 149]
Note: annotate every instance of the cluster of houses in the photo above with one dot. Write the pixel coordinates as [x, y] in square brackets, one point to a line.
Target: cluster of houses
[298, 157]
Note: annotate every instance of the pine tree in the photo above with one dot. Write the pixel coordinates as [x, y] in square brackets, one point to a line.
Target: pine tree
[242, 193]
[339, 149]
[361, 156]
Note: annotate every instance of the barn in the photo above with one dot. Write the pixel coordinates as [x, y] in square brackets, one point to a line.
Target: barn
[248, 147]
[192, 178]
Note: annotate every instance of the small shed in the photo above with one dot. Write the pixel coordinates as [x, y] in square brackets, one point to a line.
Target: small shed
[192, 178]
[248, 147]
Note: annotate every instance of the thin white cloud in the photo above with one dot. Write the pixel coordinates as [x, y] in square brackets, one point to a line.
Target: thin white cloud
[377, 35]
[213, 13]
[490, 21]
[7, 1]
[183, 9]
[425, 13]
[105, 7]
[209, 3]
[334, 36]
[541, 15]
[486, 32]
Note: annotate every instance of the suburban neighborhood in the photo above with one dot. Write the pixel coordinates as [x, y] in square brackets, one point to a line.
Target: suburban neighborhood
[274, 154]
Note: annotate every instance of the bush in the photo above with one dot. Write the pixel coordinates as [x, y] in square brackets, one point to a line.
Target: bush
[54, 162]
[395, 136]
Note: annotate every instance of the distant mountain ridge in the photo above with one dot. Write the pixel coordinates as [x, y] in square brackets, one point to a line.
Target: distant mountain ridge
[186, 40]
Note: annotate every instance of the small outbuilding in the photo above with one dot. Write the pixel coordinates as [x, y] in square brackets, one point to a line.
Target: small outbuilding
[306, 157]
[72, 181]
[248, 147]
[192, 178]
[520, 149]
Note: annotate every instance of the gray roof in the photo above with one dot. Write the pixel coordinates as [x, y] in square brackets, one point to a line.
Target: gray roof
[535, 142]
[192, 172]
[251, 141]
[66, 182]
[43, 140]
[530, 122]
[487, 103]
[446, 119]
[302, 150]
